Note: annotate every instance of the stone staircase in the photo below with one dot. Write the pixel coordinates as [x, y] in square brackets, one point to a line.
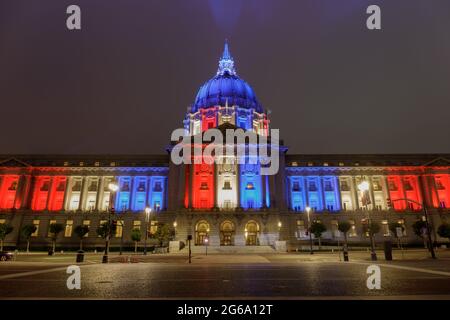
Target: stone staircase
[227, 250]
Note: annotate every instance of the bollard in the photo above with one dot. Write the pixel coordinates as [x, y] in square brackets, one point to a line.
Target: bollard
[80, 256]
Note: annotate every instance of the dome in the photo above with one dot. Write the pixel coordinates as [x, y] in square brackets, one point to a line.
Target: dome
[225, 87]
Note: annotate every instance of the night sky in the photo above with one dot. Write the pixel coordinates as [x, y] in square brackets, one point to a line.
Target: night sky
[123, 83]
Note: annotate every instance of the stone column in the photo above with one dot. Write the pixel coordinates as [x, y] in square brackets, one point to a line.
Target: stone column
[385, 189]
[354, 193]
[18, 197]
[31, 193]
[67, 193]
[372, 194]
[84, 184]
[131, 199]
[26, 191]
[100, 193]
[50, 192]
[322, 193]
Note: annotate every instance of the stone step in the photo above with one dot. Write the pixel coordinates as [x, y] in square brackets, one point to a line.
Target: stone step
[227, 249]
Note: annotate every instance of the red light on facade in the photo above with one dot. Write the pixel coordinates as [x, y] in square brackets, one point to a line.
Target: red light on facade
[8, 191]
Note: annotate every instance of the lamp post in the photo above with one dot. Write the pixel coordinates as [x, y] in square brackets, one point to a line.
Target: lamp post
[364, 189]
[425, 211]
[206, 245]
[279, 230]
[148, 210]
[308, 210]
[175, 230]
[113, 187]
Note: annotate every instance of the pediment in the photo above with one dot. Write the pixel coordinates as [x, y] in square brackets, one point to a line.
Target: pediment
[438, 162]
[13, 162]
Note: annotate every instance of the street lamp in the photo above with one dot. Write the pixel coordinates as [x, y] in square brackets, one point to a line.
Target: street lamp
[113, 188]
[279, 230]
[308, 210]
[148, 210]
[175, 224]
[206, 245]
[425, 211]
[364, 189]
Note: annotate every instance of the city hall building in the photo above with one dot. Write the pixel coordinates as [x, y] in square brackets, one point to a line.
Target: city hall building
[225, 203]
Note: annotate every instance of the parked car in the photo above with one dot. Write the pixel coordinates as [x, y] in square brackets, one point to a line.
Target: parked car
[4, 256]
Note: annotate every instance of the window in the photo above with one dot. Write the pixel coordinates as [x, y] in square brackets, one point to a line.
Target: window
[61, 186]
[312, 186]
[119, 229]
[153, 227]
[328, 186]
[345, 186]
[88, 224]
[100, 223]
[36, 224]
[227, 185]
[296, 186]
[49, 234]
[68, 231]
[141, 186]
[392, 186]
[2, 221]
[301, 230]
[137, 224]
[377, 185]
[45, 186]
[76, 185]
[157, 186]
[204, 186]
[125, 186]
[93, 185]
[250, 186]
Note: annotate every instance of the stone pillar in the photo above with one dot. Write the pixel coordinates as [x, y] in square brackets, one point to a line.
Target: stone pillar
[263, 185]
[355, 193]
[100, 193]
[84, 184]
[67, 193]
[50, 192]
[191, 185]
[131, 199]
[372, 194]
[238, 184]
[322, 193]
[18, 197]
[385, 189]
[31, 193]
[26, 192]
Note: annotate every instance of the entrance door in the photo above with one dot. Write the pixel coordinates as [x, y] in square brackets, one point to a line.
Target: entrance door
[251, 233]
[227, 233]
[201, 232]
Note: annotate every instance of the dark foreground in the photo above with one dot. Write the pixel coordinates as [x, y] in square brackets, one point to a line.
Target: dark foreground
[263, 278]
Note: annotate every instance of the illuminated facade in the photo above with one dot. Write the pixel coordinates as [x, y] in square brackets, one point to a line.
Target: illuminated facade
[228, 203]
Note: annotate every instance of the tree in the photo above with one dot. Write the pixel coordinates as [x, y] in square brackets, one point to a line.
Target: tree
[164, 233]
[444, 230]
[393, 228]
[420, 230]
[317, 228]
[136, 236]
[81, 231]
[344, 227]
[55, 230]
[373, 228]
[5, 229]
[104, 229]
[27, 231]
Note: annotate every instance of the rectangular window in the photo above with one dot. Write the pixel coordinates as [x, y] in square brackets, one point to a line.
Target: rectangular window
[301, 231]
[49, 234]
[153, 227]
[137, 224]
[119, 229]
[68, 231]
[36, 224]
[2, 221]
[87, 223]
[100, 223]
